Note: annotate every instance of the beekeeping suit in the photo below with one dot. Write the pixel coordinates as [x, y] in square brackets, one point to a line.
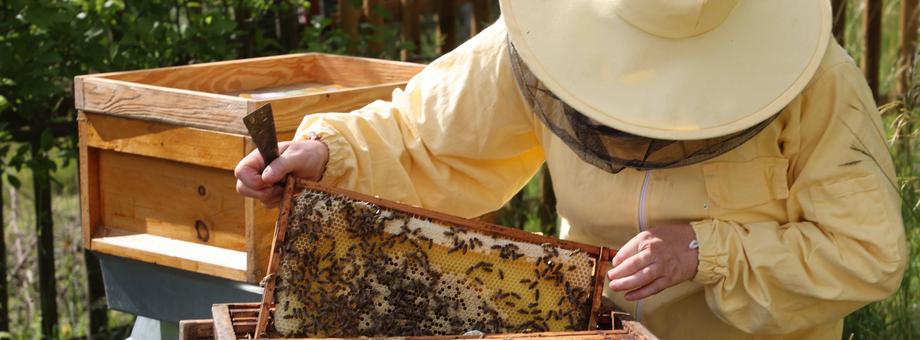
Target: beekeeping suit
[741, 118]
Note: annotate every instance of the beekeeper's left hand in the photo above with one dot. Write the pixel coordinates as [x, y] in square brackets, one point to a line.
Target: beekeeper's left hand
[654, 260]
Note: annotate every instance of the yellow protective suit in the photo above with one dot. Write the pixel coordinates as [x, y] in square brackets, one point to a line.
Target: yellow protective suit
[797, 227]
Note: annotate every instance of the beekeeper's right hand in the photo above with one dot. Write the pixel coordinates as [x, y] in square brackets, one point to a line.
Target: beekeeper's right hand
[304, 158]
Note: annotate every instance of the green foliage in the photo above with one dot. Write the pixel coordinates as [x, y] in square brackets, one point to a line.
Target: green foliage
[44, 44]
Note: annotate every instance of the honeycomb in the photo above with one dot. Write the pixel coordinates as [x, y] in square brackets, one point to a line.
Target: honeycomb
[350, 268]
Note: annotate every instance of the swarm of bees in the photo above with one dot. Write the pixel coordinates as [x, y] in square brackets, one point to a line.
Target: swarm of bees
[351, 268]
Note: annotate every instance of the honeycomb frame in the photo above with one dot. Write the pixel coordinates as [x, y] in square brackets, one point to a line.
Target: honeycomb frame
[399, 293]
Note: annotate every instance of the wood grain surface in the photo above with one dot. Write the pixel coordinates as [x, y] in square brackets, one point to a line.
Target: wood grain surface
[170, 199]
[189, 145]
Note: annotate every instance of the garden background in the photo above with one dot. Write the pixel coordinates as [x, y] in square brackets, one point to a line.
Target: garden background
[52, 287]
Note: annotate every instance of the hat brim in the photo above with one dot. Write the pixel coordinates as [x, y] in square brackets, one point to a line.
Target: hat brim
[720, 82]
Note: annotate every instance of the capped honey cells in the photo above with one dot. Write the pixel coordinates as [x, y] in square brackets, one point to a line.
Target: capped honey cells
[351, 268]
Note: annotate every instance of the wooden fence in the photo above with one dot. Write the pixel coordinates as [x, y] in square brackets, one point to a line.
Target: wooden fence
[408, 12]
[872, 17]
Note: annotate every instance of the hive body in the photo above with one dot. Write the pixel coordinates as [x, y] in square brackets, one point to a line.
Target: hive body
[352, 268]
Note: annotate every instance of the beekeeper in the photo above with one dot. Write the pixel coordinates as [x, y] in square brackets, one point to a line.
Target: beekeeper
[730, 149]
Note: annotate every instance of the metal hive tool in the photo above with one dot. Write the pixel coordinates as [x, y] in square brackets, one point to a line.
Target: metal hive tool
[346, 265]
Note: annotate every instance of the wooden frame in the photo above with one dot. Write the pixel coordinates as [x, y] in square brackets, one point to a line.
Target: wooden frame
[158, 148]
[294, 186]
[235, 321]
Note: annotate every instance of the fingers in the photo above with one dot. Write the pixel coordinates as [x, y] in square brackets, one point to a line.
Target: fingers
[638, 279]
[266, 195]
[631, 265]
[248, 171]
[648, 290]
[304, 159]
[628, 250]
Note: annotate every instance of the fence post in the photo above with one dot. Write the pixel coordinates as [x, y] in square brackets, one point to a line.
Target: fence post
[840, 20]
[447, 28]
[907, 34]
[482, 15]
[410, 29]
[873, 45]
[372, 10]
[348, 22]
[41, 177]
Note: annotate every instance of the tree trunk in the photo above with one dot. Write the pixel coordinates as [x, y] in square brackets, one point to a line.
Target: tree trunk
[290, 28]
[41, 180]
[4, 299]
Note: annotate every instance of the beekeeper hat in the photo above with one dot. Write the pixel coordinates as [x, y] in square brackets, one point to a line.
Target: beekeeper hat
[671, 69]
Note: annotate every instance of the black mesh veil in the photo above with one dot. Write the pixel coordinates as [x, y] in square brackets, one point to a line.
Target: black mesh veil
[610, 149]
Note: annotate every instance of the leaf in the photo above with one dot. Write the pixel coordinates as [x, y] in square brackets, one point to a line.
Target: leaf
[3, 103]
[13, 181]
[47, 140]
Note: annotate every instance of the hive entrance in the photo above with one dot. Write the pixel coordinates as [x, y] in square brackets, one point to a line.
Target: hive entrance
[352, 265]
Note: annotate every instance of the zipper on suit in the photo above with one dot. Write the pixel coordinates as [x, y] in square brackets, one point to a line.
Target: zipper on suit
[643, 224]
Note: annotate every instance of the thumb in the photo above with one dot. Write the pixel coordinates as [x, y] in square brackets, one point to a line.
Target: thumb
[278, 169]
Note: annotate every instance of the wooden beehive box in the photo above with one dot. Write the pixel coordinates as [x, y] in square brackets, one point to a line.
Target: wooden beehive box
[238, 321]
[158, 148]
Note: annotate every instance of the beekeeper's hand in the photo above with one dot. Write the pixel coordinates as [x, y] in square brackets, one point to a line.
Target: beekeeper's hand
[654, 260]
[305, 159]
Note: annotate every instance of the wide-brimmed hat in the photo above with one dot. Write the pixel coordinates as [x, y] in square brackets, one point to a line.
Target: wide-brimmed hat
[672, 69]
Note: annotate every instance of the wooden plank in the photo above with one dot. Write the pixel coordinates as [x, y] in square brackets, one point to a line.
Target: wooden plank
[600, 268]
[363, 73]
[190, 145]
[260, 223]
[479, 226]
[410, 27]
[907, 35]
[173, 253]
[166, 105]
[89, 182]
[275, 257]
[638, 330]
[223, 327]
[78, 91]
[231, 76]
[840, 20]
[196, 329]
[170, 199]
[873, 44]
[289, 112]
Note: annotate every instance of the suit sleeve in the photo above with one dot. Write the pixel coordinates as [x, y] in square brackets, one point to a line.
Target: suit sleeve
[843, 246]
[459, 139]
